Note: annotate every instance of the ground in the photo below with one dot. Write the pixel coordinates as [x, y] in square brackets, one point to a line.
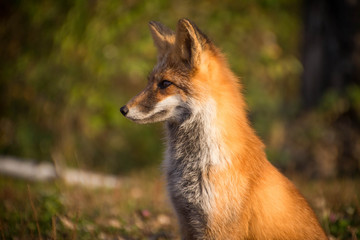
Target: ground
[139, 209]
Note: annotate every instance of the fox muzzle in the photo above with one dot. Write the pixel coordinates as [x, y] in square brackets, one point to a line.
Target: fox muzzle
[124, 110]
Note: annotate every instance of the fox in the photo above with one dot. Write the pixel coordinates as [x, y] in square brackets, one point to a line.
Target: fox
[218, 178]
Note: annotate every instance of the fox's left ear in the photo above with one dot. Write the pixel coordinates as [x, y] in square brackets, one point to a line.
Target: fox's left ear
[163, 37]
[189, 42]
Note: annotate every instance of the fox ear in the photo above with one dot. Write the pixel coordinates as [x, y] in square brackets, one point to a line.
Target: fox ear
[189, 41]
[163, 37]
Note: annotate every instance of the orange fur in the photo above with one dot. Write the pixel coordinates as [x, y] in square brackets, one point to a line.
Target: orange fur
[253, 200]
[221, 184]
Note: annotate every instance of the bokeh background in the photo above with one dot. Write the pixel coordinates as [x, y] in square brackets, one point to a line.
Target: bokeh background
[66, 67]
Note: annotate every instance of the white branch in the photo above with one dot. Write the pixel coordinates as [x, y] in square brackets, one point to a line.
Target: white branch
[27, 169]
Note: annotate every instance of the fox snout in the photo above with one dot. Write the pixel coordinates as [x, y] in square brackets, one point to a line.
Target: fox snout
[124, 110]
[145, 108]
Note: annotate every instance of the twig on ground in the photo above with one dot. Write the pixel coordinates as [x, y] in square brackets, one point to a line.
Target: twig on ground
[53, 221]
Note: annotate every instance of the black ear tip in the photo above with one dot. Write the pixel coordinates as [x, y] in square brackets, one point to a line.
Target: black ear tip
[181, 22]
[155, 24]
[184, 21]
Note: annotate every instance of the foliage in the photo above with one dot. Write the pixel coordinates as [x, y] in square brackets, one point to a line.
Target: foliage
[325, 141]
[67, 66]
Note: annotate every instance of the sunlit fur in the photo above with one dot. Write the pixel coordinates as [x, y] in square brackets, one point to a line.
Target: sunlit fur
[219, 181]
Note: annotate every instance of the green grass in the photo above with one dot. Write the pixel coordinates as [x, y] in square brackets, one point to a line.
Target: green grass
[139, 209]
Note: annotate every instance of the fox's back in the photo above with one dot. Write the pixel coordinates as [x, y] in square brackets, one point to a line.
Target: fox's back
[279, 211]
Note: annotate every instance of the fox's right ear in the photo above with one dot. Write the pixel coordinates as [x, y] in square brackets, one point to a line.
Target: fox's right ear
[189, 42]
[163, 37]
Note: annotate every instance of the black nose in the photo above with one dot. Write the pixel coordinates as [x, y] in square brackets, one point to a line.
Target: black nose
[124, 110]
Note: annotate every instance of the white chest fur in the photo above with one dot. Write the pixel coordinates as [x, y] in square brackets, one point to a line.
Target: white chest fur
[193, 149]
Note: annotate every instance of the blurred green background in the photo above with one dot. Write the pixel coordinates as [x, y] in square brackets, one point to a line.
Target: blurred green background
[66, 67]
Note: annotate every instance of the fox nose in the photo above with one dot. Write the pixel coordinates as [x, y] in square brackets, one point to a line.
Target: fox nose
[124, 110]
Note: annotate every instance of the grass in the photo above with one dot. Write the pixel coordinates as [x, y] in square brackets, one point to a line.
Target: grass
[336, 203]
[139, 209]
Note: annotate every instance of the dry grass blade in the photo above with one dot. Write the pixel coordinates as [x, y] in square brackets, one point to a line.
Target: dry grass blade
[53, 222]
[34, 212]
[74, 233]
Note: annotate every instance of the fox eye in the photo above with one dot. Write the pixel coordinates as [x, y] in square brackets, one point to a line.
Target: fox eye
[164, 84]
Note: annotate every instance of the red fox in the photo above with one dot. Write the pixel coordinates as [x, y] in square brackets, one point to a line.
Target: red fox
[219, 180]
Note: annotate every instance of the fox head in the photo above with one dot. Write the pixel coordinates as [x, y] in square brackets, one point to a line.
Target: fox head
[171, 86]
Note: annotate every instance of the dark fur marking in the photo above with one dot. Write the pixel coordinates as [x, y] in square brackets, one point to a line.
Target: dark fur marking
[185, 174]
[149, 101]
[177, 73]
